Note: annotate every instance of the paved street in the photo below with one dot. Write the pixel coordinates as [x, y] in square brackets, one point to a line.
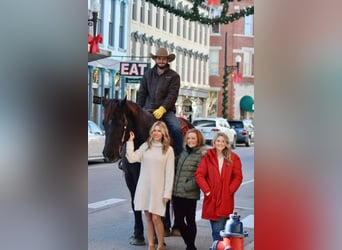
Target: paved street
[110, 218]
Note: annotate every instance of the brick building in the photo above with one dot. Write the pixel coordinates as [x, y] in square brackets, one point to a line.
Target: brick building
[240, 41]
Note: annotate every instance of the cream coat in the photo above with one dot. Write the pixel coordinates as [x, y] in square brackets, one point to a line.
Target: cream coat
[156, 176]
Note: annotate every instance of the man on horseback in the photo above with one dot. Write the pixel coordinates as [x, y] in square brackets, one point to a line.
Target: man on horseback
[158, 91]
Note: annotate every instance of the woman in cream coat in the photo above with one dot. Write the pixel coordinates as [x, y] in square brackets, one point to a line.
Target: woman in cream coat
[154, 188]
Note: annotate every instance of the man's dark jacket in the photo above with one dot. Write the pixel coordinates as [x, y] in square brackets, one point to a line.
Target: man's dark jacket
[159, 90]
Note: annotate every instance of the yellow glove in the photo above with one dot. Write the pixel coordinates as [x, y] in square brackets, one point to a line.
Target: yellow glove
[158, 113]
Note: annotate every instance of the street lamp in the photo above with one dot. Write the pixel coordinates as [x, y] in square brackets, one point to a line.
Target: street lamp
[95, 8]
[227, 71]
[236, 67]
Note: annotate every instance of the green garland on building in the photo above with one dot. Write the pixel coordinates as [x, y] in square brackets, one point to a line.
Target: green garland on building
[194, 15]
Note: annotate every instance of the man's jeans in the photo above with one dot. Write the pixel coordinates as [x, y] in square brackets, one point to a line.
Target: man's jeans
[175, 131]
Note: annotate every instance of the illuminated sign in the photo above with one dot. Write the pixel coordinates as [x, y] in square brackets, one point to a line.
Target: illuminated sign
[133, 68]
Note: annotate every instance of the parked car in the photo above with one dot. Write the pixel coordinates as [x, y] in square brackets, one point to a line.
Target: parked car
[210, 126]
[244, 131]
[96, 142]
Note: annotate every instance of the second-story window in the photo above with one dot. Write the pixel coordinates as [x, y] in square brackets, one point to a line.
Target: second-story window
[122, 26]
[201, 33]
[164, 20]
[214, 62]
[215, 29]
[111, 32]
[178, 26]
[190, 30]
[196, 31]
[134, 10]
[149, 14]
[247, 63]
[142, 11]
[184, 28]
[99, 27]
[171, 24]
[249, 25]
[158, 18]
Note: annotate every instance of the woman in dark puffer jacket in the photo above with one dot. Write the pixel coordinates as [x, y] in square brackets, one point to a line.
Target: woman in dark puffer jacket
[186, 192]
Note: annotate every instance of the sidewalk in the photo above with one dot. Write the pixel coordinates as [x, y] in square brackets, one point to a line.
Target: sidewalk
[250, 246]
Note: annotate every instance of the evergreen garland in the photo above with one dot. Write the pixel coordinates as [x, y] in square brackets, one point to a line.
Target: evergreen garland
[194, 15]
[225, 93]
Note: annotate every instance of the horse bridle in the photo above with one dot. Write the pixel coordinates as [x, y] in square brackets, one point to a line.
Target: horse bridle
[123, 134]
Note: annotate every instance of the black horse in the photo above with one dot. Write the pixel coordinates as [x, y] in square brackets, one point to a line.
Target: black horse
[120, 117]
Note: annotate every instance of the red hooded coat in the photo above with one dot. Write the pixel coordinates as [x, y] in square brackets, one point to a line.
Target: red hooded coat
[220, 202]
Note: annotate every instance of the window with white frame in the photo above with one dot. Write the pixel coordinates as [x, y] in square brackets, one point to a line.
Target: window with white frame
[249, 25]
[183, 66]
[99, 27]
[134, 10]
[214, 59]
[215, 29]
[178, 26]
[189, 68]
[158, 18]
[247, 63]
[184, 28]
[190, 30]
[196, 31]
[205, 36]
[121, 26]
[149, 14]
[171, 24]
[111, 32]
[201, 33]
[164, 20]
[142, 11]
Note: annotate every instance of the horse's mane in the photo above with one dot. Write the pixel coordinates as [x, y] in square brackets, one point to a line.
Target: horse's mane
[132, 107]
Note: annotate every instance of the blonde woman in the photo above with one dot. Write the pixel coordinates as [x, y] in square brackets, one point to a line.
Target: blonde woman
[154, 188]
[219, 176]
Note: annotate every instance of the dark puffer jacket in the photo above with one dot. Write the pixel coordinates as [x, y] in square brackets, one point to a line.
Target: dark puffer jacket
[184, 184]
[159, 90]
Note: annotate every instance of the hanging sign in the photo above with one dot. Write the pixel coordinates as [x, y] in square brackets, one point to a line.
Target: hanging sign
[134, 68]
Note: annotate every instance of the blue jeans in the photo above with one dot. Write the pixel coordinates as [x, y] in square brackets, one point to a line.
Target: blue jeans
[175, 131]
[216, 227]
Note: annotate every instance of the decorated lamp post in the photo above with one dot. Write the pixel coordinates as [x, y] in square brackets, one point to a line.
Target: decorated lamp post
[94, 39]
[227, 71]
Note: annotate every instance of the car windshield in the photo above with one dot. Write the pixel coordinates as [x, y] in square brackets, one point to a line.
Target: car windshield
[204, 123]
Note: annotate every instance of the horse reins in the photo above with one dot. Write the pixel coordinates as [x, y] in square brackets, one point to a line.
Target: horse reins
[123, 134]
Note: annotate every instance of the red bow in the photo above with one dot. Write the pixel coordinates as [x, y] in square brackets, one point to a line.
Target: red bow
[237, 77]
[213, 2]
[94, 43]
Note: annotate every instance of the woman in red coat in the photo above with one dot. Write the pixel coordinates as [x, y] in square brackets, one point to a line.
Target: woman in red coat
[219, 175]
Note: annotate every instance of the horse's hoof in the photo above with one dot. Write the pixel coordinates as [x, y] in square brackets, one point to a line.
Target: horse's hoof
[137, 242]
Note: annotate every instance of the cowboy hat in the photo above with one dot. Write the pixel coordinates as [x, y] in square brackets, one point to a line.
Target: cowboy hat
[163, 52]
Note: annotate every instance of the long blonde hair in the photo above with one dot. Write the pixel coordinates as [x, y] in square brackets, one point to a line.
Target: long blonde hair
[166, 140]
[227, 150]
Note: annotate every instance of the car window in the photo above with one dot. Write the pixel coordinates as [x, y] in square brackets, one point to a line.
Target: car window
[204, 123]
[236, 124]
[94, 129]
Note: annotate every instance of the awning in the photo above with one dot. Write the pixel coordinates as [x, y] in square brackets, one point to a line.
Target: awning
[97, 56]
[247, 103]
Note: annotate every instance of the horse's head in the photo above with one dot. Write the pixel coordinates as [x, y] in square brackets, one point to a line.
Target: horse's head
[116, 126]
